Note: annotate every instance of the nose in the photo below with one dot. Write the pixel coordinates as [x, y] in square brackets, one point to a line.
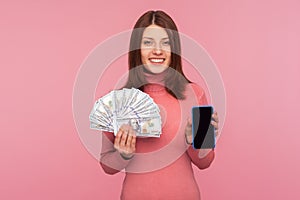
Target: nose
[157, 50]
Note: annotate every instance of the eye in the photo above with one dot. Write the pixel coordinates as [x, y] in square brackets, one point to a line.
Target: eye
[166, 43]
[147, 42]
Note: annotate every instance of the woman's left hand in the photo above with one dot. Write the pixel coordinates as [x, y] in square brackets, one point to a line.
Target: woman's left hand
[188, 128]
[188, 132]
[215, 123]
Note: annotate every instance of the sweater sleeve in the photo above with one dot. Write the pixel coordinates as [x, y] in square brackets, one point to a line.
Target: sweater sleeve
[202, 158]
[111, 160]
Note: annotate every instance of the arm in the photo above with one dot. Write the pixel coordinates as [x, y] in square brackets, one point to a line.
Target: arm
[202, 158]
[116, 152]
[110, 159]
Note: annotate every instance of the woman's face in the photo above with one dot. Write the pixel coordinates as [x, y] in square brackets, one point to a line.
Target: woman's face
[155, 49]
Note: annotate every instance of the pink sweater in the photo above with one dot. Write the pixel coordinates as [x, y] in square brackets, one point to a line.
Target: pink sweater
[161, 168]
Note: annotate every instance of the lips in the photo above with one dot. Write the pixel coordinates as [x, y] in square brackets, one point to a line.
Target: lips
[157, 60]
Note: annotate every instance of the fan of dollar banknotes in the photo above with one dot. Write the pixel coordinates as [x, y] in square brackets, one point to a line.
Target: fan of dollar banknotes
[126, 106]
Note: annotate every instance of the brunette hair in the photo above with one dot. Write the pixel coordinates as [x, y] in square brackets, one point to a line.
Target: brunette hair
[175, 80]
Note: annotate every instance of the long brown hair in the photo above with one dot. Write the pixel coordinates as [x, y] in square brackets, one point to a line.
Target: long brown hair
[175, 80]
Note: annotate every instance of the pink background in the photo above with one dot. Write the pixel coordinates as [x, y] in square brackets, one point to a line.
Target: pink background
[255, 45]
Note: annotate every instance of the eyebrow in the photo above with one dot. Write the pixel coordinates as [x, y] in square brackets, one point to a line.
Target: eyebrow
[153, 39]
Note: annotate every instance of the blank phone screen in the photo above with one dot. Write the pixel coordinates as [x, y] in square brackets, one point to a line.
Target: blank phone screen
[203, 130]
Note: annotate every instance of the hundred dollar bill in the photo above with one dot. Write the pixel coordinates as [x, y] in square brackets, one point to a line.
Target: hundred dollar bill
[98, 120]
[141, 102]
[130, 106]
[98, 113]
[141, 113]
[98, 126]
[132, 97]
[107, 104]
[144, 127]
[127, 97]
[145, 100]
[118, 101]
[145, 105]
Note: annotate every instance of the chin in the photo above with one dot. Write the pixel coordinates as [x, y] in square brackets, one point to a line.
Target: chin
[156, 69]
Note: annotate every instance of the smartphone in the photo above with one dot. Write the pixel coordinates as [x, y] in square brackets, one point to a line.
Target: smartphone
[202, 129]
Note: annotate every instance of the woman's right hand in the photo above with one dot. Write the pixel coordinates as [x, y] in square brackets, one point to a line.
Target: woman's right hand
[125, 141]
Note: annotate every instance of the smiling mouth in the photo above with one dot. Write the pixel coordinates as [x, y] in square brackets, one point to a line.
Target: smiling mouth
[157, 60]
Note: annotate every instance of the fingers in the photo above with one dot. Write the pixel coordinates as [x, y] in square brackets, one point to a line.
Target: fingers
[117, 139]
[216, 133]
[188, 131]
[189, 122]
[215, 123]
[215, 120]
[133, 142]
[125, 140]
[216, 126]
[129, 139]
[188, 128]
[215, 117]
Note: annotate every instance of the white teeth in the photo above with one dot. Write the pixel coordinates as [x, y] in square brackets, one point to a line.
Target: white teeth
[156, 60]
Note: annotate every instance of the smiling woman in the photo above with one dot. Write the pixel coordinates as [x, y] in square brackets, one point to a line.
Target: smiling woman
[161, 37]
[155, 67]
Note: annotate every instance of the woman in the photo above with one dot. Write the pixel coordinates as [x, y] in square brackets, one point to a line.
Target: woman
[159, 168]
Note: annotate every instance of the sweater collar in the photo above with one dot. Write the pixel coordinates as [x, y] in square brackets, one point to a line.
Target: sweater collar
[155, 81]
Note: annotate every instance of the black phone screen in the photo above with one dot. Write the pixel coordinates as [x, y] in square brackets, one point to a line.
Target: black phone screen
[203, 130]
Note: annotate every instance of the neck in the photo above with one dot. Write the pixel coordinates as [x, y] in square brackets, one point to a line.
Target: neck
[155, 82]
[155, 78]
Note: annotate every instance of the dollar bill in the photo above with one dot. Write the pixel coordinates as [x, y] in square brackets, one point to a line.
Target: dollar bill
[144, 127]
[127, 96]
[127, 106]
[99, 114]
[140, 102]
[118, 100]
[107, 104]
[141, 113]
[98, 126]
